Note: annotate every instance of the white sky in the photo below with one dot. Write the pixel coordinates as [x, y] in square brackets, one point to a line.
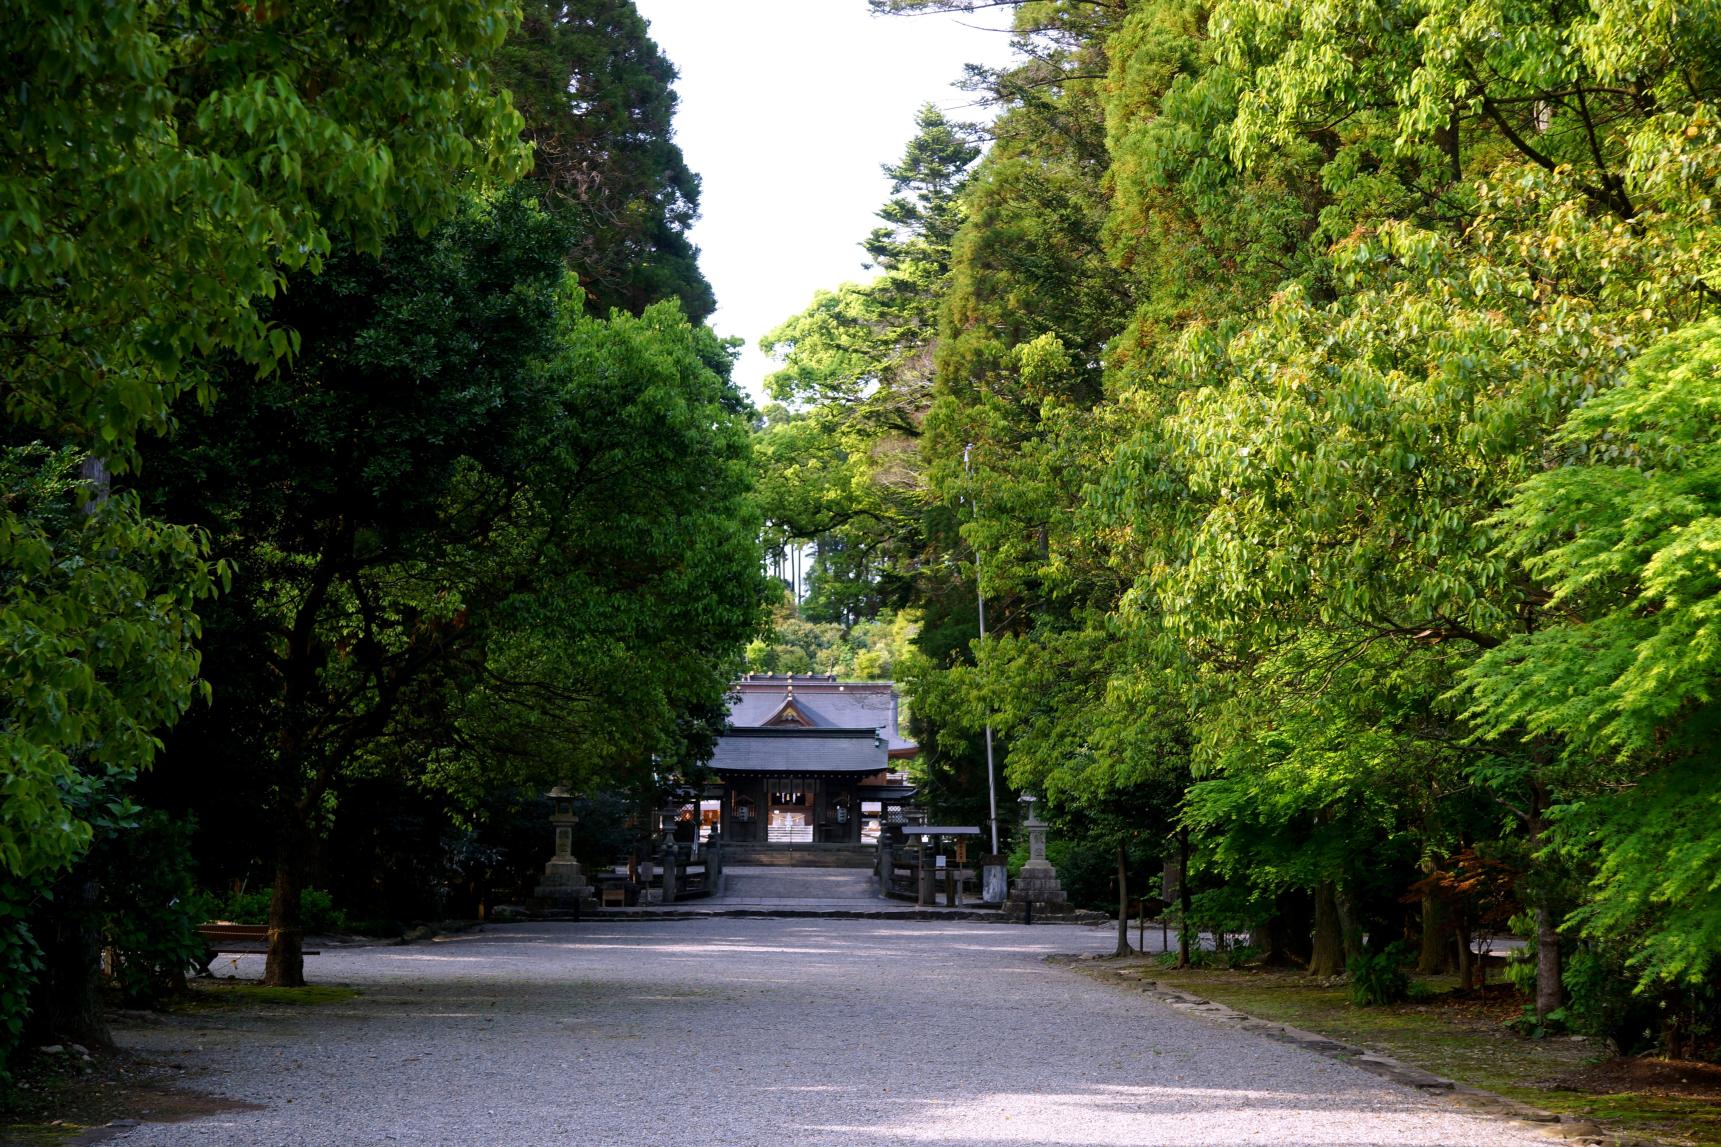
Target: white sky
[787, 109]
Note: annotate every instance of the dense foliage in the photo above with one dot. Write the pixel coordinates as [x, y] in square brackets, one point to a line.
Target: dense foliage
[360, 494]
[1324, 398]
[165, 168]
[595, 94]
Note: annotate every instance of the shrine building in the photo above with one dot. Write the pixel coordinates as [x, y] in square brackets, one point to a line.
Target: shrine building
[809, 760]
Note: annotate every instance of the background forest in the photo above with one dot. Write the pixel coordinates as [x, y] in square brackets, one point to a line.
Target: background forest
[1325, 398]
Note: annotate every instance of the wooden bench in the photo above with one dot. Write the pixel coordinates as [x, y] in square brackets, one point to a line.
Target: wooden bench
[249, 939]
[613, 888]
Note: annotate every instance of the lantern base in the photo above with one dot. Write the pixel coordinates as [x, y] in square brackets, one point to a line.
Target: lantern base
[564, 881]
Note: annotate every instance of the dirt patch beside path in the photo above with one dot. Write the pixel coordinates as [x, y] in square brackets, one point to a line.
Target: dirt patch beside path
[65, 1100]
[1670, 1078]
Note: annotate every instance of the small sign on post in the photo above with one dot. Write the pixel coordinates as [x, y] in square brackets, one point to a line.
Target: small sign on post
[930, 833]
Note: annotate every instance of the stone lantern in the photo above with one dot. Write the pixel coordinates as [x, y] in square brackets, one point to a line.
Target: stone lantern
[1037, 891]
[564, 882]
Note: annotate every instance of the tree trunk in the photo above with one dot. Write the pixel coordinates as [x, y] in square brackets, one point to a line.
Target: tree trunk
[1550, 990]
[1276, 937]
[1267, 939]
[1466, 958]
[1328, 956]
[285, 966]
[1675, 1037]
[1183, 906]
[1350, 928]
[1550, 987]
[1433, 956]
[68, 996]
[95, 472]
[1123, 948]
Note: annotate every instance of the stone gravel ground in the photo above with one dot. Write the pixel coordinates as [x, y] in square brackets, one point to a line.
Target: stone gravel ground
[764, 1032]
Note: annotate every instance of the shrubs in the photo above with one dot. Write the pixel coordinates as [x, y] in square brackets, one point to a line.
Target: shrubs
[20, 964]
[147, 906]
[316, 908]
[1602, 1002]
[1379, 978]
[1230, 957]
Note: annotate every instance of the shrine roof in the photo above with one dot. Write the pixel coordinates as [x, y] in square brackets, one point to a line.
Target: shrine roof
[788, 750]
[819, 703]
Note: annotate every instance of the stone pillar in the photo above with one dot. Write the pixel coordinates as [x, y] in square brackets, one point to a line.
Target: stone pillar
[994, 880]
[671, 859]
[564, 884]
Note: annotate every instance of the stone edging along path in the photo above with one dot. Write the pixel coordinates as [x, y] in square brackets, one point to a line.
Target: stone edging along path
[1474, 1098]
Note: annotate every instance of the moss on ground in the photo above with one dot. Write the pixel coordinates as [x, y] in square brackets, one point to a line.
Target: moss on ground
[1459, 1037]
[221, 994]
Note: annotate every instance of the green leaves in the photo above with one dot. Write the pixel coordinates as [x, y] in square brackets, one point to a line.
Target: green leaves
[172, 163]
[1626, 539]
[166, 166]
[1341, 426]
[97, 628]
[1656, 895]
[596, 96]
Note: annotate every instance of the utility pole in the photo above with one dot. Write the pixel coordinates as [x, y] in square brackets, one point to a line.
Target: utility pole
[980, 597]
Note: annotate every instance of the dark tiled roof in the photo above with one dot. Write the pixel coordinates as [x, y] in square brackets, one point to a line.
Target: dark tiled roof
[784, 751]
[826, 702]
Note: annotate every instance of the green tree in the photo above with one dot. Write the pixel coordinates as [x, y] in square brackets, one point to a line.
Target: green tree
[1488, 254]
[1013, 435]
[495, 543]
[1321, 401]
[167, 167]
[841, 440]
[595, 92]
[1625, 665]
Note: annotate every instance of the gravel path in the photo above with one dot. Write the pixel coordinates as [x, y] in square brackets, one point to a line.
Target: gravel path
[764, 1031]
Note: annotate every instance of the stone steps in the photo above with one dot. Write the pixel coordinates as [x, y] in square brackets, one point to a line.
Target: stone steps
[775, 882]
[800, 855]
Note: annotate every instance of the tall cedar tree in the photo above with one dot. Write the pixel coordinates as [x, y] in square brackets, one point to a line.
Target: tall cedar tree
[596, 95]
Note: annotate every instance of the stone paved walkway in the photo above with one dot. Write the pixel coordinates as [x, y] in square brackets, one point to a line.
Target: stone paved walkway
[771, 1032]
